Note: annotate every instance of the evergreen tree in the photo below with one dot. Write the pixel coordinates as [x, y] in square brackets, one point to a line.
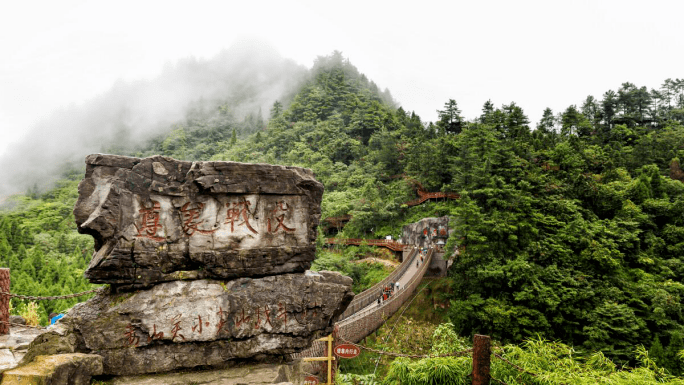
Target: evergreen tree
[276, 109]
[547, 122]
[488, 110]
[608, 110]
[450, 120]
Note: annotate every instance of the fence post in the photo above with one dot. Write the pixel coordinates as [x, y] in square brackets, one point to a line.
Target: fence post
[336, 341]
[481, 360]
[4, 301]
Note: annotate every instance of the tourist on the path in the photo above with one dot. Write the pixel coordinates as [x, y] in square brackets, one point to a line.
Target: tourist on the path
[54, 317]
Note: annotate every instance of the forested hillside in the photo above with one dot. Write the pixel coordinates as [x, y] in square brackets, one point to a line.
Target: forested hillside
[570, 228]
[40, 245]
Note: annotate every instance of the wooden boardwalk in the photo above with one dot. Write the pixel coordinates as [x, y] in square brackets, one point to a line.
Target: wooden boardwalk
[392, 245]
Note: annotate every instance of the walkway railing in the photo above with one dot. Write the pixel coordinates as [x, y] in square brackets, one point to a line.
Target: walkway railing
[424, 196]
[359, 324]
[370, 295]
[392, 245]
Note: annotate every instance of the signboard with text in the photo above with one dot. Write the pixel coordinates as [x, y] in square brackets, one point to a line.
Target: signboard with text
[346, 351]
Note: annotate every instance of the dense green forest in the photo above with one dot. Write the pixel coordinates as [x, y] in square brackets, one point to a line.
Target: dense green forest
[570, 228]
[40, 245]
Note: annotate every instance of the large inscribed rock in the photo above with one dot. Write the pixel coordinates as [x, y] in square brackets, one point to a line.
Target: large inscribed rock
[203, 322]
[158, 219]
[216, 253]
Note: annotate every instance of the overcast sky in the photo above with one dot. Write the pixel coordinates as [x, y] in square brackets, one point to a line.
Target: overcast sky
[538, 54]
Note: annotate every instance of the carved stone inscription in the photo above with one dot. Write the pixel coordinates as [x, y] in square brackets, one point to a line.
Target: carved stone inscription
[202, 322]
[158, 219]
[235, 221]
[293, 304]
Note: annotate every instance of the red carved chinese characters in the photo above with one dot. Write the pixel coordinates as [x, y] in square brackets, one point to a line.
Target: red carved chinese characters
[150, 222]
[176, 320]
[237, 214]
[190, 212]
[155, 335]
[198, 326]
[266, 320]
[243, 319]
[283, 314]
[222, 319]
[131, 338]
[195, 218]
[275, 222]
[267, 312]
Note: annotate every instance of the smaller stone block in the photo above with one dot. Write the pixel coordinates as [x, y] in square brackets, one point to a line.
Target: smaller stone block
[187, 324]
[60, 369]
[17, 319]
[247, 374]
[7, 360]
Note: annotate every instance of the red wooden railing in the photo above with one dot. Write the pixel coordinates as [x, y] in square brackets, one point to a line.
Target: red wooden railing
[392, 245]
[425, 195]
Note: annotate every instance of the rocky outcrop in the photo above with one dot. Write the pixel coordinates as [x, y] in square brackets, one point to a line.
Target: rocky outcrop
[158, 219]
[184, 324]
[240, 374]
[427, 233]
[430, 233]
[71, 369]
[17, 319]
[13, 346]
[206, 264]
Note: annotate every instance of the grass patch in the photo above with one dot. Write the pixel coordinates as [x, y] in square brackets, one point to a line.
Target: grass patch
[364, 275]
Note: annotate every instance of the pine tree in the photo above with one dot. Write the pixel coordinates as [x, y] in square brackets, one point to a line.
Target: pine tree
[450, 120]
[547, 122]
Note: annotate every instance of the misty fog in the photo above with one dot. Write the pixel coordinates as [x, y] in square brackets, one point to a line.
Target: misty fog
[248, 76]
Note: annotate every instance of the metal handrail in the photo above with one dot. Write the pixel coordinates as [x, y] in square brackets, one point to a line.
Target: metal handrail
[364, 298]
[408, 289]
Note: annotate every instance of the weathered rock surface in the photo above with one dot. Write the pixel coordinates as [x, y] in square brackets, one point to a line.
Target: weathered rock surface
[427, 232]
[13, 346]
[158, 219]
[206, 264]
[251, 374]
[62, 369]
[183, 324]
[7, 360]
[17, 319]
